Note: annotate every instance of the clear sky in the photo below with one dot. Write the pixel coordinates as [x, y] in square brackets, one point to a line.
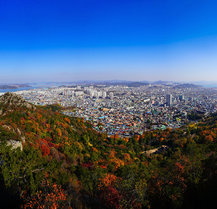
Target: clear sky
[67, 40]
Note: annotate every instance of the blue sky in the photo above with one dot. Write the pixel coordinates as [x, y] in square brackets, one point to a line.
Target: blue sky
[66, 40]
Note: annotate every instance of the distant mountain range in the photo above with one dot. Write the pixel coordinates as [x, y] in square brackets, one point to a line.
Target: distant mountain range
[13, 86]
[109, 83]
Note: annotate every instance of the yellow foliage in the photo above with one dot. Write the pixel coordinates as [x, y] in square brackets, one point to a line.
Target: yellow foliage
[89, 144]
[79, 146]
[59, 132]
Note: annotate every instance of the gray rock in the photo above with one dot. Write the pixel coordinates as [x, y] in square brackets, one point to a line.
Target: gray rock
[12, 99]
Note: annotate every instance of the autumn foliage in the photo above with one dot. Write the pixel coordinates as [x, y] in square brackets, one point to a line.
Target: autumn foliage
[51, 196]
[106, 172]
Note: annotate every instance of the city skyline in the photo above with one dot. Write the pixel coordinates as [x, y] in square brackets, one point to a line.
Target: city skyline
[116, 40]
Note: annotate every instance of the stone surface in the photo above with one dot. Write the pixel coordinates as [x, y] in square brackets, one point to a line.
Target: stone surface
[12, 99]
[15, 144]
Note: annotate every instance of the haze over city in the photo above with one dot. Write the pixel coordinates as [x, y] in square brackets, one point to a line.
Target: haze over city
[105, 40]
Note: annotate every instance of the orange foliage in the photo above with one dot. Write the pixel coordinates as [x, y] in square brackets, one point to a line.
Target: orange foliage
[126, 139]
[209, 135]
[209, 138]
[107, 180]
[39, 116]
[127, 156]
[59, 132]
[67, 120]
[95, 149]
[116, 136]
[137, 137]
[45, 150]
[112, 154]
[51, 196]
[161, 139]
[48, 125]
[180, 167]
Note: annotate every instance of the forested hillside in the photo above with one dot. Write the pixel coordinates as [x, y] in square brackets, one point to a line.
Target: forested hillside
[49, 160]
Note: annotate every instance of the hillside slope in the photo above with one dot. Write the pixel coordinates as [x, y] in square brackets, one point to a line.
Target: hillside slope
[62, 162]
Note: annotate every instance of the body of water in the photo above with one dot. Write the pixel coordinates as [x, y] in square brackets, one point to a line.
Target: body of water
[210, 86]
[14, 90]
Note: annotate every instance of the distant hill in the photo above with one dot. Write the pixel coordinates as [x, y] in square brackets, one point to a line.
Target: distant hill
[50, 160]
[111, 83]
[162, 82]
[186, 85]
[13, 86]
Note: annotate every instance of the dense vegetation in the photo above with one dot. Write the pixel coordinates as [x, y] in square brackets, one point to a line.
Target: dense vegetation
[65, 163]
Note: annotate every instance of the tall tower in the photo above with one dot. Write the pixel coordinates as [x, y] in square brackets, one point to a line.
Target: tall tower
[169, 100]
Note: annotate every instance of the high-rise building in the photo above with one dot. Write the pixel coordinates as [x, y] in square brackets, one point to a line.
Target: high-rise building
[78, 93]
[181, 97]
[111, 95]
[104, 94]
[96, 94]
[91, 93]
[169, 99]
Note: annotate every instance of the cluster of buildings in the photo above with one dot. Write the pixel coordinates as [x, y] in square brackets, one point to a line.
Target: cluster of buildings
[123, 110]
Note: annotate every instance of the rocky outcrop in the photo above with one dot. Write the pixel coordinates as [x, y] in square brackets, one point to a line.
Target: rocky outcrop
[156, 150]
[11, 99]
[15, 144]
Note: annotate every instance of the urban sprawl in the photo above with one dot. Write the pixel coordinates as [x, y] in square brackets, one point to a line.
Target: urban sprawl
[124, 110]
